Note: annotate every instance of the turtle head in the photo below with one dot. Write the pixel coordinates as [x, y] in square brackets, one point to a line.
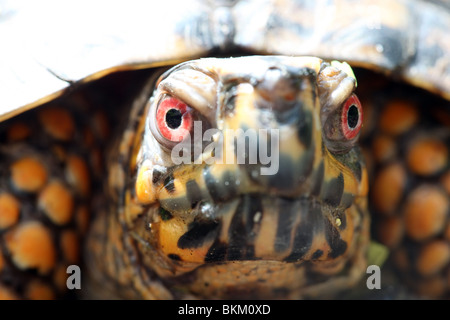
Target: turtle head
[251, 165]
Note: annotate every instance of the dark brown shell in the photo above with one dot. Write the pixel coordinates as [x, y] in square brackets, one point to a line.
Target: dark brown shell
[48, 45]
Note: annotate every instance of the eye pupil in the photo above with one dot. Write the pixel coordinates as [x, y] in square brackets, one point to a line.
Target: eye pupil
[173, 118]
[352, 116]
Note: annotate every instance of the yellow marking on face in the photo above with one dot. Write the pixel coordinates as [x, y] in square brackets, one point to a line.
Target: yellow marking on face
[244, 112]
[180, 177]
[264, 242]
[144, 189]
[290, 144]
[363, 189]
[170, 231]
[351, 184]
[334, 168]
[318, 243]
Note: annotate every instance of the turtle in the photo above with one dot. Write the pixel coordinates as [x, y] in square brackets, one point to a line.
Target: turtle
[234, 149]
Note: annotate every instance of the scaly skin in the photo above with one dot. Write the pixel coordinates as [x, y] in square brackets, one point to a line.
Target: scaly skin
[220, 230]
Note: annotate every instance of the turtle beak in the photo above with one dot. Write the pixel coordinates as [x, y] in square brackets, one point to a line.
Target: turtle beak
[282, 110]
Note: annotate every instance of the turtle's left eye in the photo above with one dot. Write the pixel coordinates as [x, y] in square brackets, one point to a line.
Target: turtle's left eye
[342, 125]
[174, 119]
[351, 117]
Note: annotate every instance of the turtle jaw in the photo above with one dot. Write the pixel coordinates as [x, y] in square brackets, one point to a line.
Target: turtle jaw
[269, 242]
[255, 227]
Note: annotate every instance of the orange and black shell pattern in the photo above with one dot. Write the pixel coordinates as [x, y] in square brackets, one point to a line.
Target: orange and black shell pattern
[51, 176]
[44, 197]
[406, 139]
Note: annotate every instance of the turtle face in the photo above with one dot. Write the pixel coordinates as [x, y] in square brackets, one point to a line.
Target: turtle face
[250, 165]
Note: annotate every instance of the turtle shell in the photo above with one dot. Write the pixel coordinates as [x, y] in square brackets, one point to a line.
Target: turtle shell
[48, 46]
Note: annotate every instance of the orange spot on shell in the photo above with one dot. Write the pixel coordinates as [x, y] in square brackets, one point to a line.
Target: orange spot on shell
[31, 246]
[388, 188]
[384, 148]
[425, 212]
[433, 257]
[427, 156]
[28, 174]
[77, 173]
[57, 202]
[9, 210]
[57, 122]
[38, 290]
[70, 246]
[18, 131]
[398, 117]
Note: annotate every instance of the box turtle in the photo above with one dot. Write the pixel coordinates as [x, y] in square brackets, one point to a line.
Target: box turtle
[218, 149]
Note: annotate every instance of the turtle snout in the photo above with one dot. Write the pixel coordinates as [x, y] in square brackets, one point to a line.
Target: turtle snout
[275, 131]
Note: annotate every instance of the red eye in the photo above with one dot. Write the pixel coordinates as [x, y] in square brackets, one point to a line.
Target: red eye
[174, 119]
[351, 117]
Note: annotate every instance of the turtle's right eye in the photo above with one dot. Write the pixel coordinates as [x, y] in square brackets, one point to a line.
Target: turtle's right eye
[174, 119]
